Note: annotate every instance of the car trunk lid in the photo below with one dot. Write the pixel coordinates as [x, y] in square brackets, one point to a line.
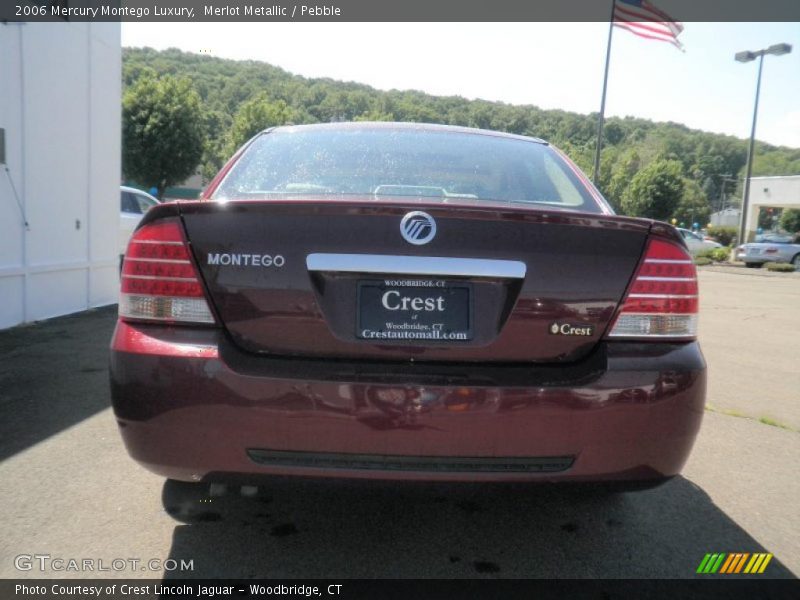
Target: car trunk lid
[309, 277]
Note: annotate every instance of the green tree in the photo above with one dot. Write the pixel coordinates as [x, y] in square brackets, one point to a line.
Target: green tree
[655, 191]
[693, 206]
[632, 144]
[257, 114]
[162, 131]
[790, 220]
[374, 115]
[214, 147]
[613, 133]
[623, 172]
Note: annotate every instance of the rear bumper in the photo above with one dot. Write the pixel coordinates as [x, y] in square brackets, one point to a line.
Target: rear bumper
[192, 407]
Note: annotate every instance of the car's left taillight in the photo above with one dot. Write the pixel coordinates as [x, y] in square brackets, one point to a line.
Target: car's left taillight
[662, 299]
[160, 281]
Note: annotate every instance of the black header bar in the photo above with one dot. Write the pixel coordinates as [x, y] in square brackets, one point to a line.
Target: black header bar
[710, 588]
[384, 10]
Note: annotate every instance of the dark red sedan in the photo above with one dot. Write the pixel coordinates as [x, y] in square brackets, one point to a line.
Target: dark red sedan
[406, 302]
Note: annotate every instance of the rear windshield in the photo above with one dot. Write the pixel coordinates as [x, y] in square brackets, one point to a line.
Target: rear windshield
[389, 163]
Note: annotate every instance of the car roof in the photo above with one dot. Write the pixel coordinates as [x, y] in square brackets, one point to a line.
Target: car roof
[125, 188]
[400, 126]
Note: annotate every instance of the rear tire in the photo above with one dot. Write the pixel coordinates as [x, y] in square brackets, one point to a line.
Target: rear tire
[753, 265]
[796, 261]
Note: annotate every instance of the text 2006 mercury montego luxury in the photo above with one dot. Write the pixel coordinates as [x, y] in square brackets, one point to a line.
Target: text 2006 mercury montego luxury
[402, 301]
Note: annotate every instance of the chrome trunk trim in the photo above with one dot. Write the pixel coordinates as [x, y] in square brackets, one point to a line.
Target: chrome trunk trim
[417, 265]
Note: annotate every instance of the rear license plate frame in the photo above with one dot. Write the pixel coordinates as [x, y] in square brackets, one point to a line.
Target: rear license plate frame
[455, 327]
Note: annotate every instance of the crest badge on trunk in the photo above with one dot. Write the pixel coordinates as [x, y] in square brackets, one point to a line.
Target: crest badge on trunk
[418, 228]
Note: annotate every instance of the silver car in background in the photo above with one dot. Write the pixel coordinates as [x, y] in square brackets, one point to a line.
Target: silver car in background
[696, 242]
[781, 249]
[133, 205]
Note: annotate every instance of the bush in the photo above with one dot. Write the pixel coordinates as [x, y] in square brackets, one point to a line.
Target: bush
[780, 267]
[790, 220]
[724, 235]
[721, 254]
[702, 261]
[716, 254]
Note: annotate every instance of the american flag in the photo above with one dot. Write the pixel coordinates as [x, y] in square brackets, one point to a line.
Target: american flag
[640, 17]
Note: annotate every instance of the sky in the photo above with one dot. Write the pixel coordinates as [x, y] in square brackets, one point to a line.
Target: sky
[550, 65]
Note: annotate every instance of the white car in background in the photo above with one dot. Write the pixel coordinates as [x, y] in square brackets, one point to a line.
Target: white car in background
[133, 204]
[696, 242]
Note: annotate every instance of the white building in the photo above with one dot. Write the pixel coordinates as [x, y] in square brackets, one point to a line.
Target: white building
[729, 217]
[775, 192]
[60, 116]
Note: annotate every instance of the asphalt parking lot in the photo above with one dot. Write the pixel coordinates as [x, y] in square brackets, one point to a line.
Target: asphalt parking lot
[70, 490]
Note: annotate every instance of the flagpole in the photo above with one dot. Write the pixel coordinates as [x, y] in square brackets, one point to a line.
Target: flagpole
[599, 145]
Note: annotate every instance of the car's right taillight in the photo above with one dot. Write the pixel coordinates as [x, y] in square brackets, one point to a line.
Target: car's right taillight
[661, 301]
[159, 279]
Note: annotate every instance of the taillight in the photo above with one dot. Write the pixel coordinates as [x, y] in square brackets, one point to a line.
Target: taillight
[662, 299]
[159, 280]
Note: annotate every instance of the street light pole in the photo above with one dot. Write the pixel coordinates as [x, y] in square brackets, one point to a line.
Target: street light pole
[750, 148]
[747, 56]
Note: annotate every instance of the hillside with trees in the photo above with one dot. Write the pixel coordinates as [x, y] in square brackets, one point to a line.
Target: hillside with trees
[659, 170]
